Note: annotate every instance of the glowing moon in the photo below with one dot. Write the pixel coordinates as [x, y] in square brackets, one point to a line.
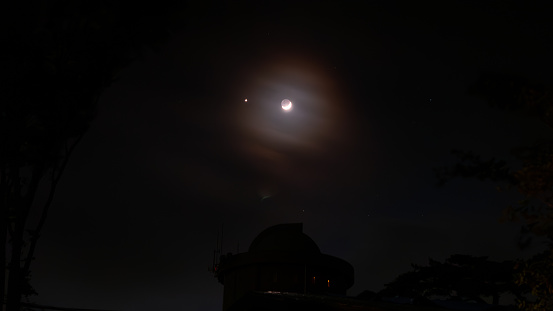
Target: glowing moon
[286, 104]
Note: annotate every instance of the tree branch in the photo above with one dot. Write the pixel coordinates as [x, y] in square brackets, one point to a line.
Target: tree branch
[54, 183]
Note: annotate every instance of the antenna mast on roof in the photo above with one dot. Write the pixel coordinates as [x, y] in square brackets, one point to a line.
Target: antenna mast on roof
[217, 253]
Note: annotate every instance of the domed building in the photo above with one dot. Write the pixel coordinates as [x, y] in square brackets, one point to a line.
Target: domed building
[283, 259]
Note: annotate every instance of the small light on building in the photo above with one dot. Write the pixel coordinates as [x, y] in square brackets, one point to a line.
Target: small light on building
[328, 282]
[313, 280]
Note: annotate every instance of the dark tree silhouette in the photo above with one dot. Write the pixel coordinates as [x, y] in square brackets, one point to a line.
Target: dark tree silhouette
[534, 178]
[460, 277]
[58, 58]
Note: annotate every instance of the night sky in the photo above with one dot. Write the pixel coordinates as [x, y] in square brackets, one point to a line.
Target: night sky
[380, 99]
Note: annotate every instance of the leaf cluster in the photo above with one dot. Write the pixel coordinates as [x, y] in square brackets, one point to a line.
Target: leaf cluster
[536, 274]
[471, 165]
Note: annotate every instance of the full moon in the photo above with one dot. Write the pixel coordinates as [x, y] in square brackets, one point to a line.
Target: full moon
[286, 104]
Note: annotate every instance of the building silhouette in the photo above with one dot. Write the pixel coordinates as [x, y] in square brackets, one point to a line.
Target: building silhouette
[283, 259]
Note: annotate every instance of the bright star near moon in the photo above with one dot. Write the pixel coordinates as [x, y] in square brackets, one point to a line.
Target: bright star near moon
[286, 104]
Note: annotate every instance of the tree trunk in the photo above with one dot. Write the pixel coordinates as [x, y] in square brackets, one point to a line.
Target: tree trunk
[3, 233]
[3, 237]
[495, 301]
[15, 285]
[22, 204]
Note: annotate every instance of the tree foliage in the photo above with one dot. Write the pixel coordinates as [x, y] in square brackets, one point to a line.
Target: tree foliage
[533, 179]
[460, 277]
[535, 275]
[58, 58]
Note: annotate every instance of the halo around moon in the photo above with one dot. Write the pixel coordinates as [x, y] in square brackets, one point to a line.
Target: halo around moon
[286, 104]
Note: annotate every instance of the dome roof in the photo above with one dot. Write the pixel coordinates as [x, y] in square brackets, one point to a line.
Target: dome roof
[284, 238]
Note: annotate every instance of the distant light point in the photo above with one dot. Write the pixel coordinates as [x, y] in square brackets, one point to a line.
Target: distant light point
[246, 100]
